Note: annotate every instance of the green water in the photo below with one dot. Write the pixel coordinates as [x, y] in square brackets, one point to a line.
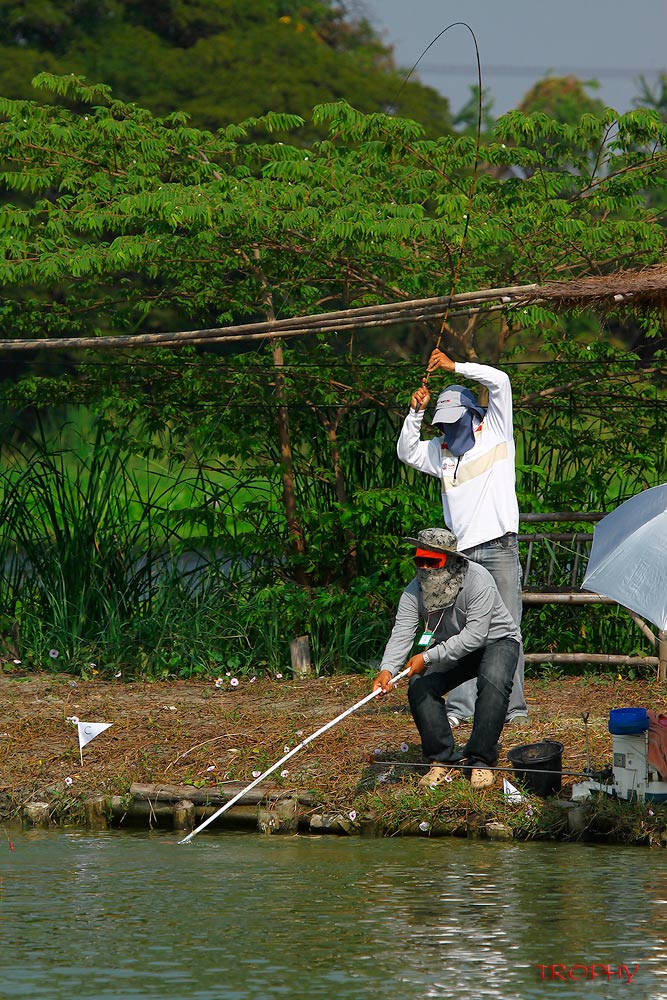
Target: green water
[240, 917]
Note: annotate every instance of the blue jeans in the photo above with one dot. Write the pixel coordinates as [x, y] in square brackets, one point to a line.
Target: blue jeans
[493, 665]
[501, 558]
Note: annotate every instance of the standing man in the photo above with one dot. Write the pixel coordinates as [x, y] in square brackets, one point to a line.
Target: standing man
[468, 635]
[474, 461]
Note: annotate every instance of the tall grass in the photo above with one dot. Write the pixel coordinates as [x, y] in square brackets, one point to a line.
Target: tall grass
[112, 567]
[90, 552]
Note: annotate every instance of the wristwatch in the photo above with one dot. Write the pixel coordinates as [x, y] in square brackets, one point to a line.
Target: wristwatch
[426, 658]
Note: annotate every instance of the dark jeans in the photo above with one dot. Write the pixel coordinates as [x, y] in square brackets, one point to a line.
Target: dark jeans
[494, 667]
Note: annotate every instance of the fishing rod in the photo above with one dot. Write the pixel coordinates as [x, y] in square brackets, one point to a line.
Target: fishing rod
[295, 750]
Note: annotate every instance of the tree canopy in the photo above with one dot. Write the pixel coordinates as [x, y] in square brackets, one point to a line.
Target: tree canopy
[115, 220]
[218, 60]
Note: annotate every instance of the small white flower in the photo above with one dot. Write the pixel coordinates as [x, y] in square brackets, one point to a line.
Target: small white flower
[234, 682]
[424, 826]
[218, 682]
[54, 654]
[279, 677]
[285, 749]
[252, 680]
[352, 816]
[650, 812]
[404, 748]
[448, 777]
[377, 752]
[119, 673]
[228, 674]
[256, 774]
[92, 666]
[68, 781]
[299, 732]
[17, 662]
[284, 773]
[211, 767]
[73, 719]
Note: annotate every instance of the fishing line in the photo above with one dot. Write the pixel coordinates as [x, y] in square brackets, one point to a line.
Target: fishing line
[471, 193]
[457, 268]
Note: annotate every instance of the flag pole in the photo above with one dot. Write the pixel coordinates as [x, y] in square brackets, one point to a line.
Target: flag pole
[295, 750]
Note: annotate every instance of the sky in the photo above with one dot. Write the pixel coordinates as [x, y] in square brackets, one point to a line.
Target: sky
[520, 41]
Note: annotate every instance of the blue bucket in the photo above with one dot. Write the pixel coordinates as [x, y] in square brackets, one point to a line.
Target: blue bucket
[627, 721]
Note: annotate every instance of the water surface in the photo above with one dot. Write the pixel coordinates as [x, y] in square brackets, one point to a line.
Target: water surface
[122, 916]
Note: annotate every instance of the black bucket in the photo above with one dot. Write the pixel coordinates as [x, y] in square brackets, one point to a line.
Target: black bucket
[538, 766]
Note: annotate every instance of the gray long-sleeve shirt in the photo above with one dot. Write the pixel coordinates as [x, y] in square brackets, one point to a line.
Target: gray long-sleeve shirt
[477, 616]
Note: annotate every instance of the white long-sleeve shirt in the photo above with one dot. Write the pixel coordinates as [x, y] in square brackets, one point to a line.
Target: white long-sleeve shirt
[478, 491]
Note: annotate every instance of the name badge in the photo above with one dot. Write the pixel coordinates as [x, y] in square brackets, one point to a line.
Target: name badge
[425, 638]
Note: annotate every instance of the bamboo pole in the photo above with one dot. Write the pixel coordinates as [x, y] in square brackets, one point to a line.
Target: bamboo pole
[343, 318]
[614, 658]
[662, 655]
[564, 597]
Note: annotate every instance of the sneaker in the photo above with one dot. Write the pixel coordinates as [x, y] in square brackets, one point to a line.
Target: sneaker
[481, 777]
[454, 721]
[435, 776]
[518, 719]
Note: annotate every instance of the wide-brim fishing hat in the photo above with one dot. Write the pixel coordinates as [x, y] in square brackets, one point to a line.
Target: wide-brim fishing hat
[437, 540]
[453, 402]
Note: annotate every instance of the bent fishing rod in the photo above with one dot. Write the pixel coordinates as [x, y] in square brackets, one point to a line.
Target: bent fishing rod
[295, 750]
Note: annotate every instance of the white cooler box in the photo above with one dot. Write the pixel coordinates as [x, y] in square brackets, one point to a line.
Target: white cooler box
[634, 777]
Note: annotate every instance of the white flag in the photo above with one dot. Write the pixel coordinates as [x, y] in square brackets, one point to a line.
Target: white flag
[89, 730]
[511, 793]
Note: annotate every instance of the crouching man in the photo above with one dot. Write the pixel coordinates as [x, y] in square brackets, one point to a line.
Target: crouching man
[452, 606]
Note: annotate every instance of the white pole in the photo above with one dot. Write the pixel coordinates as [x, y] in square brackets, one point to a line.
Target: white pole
[308, 739]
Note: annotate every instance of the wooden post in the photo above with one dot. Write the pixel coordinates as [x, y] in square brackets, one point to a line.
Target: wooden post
[184, 815]
[281, 816]
[300, 654]
[662, 655]
[96, 813]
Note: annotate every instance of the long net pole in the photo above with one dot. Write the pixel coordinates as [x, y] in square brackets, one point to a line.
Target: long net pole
[287, 756]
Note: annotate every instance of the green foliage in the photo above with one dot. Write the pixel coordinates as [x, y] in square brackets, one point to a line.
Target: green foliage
[218, 60]
[115, 221]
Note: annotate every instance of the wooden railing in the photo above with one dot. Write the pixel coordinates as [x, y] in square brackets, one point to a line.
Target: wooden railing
[554, 565]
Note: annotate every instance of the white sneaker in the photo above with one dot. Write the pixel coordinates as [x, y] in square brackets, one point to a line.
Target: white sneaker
[454, 721]
[519, 719]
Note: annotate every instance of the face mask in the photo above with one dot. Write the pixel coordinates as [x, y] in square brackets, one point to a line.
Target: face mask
[459, 436]
[439, 587]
